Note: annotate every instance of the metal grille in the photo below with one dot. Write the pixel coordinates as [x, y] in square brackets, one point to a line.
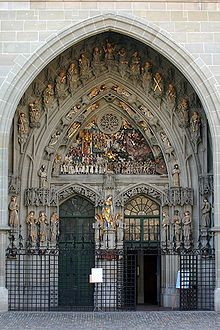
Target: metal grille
[58, 279]
[197, 284]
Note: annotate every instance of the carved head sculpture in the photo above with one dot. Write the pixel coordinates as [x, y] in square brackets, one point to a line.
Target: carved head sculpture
[187, 213]
[49, 86]
[36, 102]
[176, 212]
[22, 115]
[72, 65]
[147, 65]
[157, 75]
[62, 74]
[135, 54]
[83, 56]
[171, 87]
[184, 101]
[164, 214]
[96, 49]
[176, 166]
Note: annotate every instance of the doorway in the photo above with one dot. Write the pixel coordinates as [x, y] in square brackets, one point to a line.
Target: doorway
[148, 280]
[76, 254]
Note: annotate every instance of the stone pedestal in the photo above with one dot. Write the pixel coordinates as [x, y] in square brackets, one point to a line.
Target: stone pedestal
[109, 238]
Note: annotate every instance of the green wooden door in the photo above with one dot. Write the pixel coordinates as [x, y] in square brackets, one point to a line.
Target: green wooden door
[76, 253]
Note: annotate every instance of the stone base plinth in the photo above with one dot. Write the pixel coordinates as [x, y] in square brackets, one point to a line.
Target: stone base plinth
[3, 299]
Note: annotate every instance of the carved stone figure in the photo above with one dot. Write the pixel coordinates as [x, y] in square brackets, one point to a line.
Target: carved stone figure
[85, 69]
[147, 77]
[54, 229]
[169, 150]
[165, 228]
[32, 222]
[109, 55]
[34, 114]
[13, 212]
[50, 148]
[152, 120]
[176, 221]
[171, 98]
[43, 222]
[22, 130]
[107, 212]
[175, 175]
[195, 129]
[57, 164]
[135, 68]
[73, 129]
[158, 85]
[48, 98]
[187, 228]
[97, 63]
[73, 78]
[123, 62]
[183, 113]
[61, 86]
[206, 208]
[42, 173]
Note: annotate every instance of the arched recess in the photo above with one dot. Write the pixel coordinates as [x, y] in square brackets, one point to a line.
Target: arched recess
[140, 30]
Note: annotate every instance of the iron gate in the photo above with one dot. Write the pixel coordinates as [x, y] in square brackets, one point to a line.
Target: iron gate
[32, 278]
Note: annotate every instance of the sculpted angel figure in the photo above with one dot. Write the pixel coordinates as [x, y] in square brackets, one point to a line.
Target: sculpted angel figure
[13, 212]
[147, 77]
[109, 55]
[183, 113]
[61, 86]
[32, 223]
[73, 78]
[48, 98]
[34, 114]
[22, 130]
[123, 62]
[97, 63]
[85, 69]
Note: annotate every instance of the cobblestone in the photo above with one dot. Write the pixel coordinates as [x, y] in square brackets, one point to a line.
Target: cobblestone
[110, 320]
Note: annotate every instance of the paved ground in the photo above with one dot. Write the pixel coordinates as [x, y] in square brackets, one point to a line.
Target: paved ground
[105, 320]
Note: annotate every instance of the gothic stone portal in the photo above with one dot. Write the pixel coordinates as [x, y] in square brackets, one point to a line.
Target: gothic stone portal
[111, 116]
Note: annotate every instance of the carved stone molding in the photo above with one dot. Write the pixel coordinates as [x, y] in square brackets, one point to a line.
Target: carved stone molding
[84, 191]
[13, 184]
[40, 197]
[177, 196]
[206, 184]
[122, 198]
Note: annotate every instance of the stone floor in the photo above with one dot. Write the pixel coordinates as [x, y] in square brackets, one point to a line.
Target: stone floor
[110, 320]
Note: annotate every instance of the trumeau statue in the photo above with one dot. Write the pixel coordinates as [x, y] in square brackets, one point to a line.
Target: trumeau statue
[206, 208]
[13, 213]
[42, 173]
[34, 114]
[54, 229]
[22, 130]
[73, 78]
[147, 77]
[48, 98]
[43, 222]
[175, 175]
[32, 223]
[177, 227]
